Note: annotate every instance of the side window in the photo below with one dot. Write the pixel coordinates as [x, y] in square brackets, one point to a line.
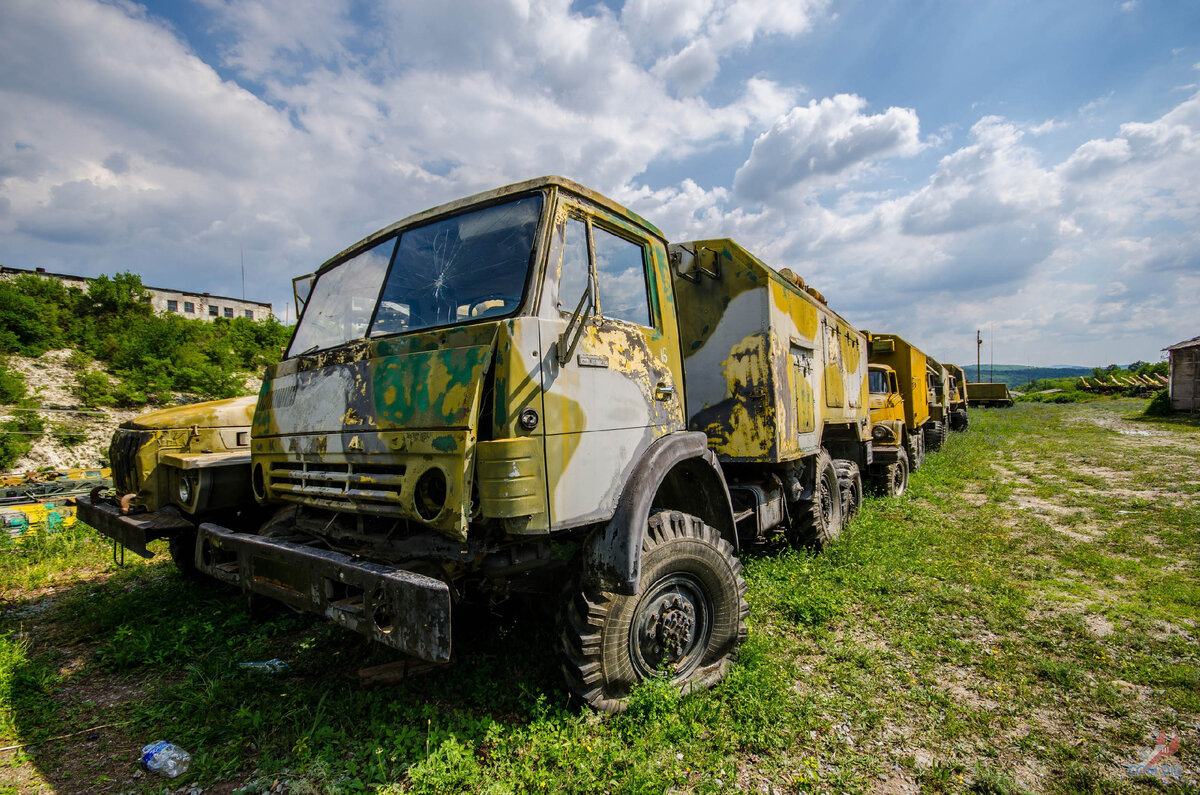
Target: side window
[574, 277]
[621, 278]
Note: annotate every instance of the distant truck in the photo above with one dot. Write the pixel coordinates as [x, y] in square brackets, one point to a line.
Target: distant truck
[909, 363]
[520, 388]
[959, 417]
[938, 427]
[173, 469]
[989, 394]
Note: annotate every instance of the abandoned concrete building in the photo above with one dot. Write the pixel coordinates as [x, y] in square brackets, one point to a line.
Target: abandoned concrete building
[195, 305]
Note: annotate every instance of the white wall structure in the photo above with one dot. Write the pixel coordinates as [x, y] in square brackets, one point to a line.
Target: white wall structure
[180, 302]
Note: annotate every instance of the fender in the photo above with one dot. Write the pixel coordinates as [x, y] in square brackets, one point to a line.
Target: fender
[613, 554]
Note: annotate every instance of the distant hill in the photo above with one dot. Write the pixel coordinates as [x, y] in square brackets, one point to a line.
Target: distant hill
[1016, 375]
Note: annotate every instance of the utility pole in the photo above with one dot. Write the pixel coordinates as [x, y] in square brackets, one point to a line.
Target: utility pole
[242, 254]
[992, 354]
[978, 346]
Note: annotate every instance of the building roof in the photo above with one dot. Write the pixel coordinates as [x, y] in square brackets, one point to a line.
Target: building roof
[1192, 343]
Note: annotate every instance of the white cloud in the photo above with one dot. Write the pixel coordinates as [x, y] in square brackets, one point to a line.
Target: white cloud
[826, 138]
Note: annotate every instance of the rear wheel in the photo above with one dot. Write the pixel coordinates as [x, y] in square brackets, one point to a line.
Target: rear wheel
[684, 624]
[850, 485]
[820, 520]
[896, 477]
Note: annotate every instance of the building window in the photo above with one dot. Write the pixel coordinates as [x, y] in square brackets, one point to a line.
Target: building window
[189, 307]
[229, 311]
[213, 311]
[250, 313]
[172, 306]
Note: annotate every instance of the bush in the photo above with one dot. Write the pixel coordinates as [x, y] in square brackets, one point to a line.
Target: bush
[151, 356]
[17, 437]
[12, 386]
[1160, 404]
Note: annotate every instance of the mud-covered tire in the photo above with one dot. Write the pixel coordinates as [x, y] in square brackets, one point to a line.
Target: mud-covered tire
[915, 447]
[959, 420]
[895, 480]
[688, 617]
[935, 434]
[819, 520]
[850, 485]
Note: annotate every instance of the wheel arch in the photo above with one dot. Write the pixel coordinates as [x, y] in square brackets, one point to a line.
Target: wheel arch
[677, 472]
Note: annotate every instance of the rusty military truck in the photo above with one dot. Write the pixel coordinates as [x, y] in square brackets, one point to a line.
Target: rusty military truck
[938, 389]
[959, 419]
[900, 409]
[173, 469]
[776, 380]
[499, 396]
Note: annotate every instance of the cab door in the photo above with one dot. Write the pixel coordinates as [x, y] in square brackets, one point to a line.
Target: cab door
[612, 377]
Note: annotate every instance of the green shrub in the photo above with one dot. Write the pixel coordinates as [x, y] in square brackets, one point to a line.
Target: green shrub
[17, 437]
[12, 386]
[149, 356]
[1160, 404]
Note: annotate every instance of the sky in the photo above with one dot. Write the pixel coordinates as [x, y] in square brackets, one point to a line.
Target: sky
[1026, 168]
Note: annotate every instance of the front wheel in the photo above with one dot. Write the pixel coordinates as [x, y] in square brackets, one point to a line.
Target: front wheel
[685, 622]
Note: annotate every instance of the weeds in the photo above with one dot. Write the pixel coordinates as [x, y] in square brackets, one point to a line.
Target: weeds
[1024, 620]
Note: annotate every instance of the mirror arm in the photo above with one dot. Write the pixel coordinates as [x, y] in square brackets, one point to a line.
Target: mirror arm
[565, 351]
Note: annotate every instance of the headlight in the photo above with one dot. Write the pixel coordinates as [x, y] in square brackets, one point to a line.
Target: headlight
[184, 489]
[882, 433]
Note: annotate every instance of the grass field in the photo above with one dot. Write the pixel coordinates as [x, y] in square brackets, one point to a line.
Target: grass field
[1023, 620]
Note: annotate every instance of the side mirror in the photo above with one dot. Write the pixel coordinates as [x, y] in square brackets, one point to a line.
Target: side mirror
[301, 290]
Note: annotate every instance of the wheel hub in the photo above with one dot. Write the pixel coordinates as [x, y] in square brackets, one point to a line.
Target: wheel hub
[674, 627]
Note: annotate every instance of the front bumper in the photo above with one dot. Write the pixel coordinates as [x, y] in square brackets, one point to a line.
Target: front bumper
[392, 606]
[132, 531]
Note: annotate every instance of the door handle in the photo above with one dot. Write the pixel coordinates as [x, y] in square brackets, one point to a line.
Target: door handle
[664, 391]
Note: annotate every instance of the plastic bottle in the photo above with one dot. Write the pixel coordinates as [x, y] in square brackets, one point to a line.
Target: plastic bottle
[166, 759]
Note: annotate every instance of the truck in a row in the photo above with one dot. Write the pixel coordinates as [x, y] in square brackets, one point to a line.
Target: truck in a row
[525, 388]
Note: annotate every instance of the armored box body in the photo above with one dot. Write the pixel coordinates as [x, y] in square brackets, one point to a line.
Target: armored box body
[768, 367]
[910, 364]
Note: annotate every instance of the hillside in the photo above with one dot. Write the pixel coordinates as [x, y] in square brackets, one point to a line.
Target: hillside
[74, 365]
[1016, 375]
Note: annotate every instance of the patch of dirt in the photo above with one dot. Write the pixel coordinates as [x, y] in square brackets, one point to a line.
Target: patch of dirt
[1098, 625]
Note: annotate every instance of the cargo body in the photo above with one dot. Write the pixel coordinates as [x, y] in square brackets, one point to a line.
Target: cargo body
[528, 387]
[989, 394]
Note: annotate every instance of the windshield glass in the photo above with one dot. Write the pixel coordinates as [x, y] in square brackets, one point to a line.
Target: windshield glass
[341, 301]
[877, 382]
[462, 268]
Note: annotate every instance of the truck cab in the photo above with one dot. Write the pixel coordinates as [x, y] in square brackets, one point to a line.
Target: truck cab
[889, 472]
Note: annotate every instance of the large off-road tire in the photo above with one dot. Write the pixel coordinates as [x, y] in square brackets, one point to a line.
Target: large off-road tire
[685, 622]
[819, 521]
[935, 432]
[959, 420]
[850, 484]
[895, 480]
[915, 446]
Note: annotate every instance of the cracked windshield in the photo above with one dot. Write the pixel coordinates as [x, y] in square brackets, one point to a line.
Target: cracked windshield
[467, 267]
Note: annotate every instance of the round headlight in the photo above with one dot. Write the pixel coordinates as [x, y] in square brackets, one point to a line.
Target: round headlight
[879, 432]
[184, 489]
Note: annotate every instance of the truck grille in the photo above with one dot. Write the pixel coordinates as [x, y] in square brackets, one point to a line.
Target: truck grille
[122, 454]
[371, 488]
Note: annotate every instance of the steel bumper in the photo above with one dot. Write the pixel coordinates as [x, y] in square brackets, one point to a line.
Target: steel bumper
[132, 531]
[395, 607]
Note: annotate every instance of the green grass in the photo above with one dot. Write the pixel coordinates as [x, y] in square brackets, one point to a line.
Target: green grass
[1023, 620]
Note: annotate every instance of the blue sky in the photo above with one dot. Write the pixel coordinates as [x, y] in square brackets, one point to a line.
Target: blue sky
[1027, 168]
